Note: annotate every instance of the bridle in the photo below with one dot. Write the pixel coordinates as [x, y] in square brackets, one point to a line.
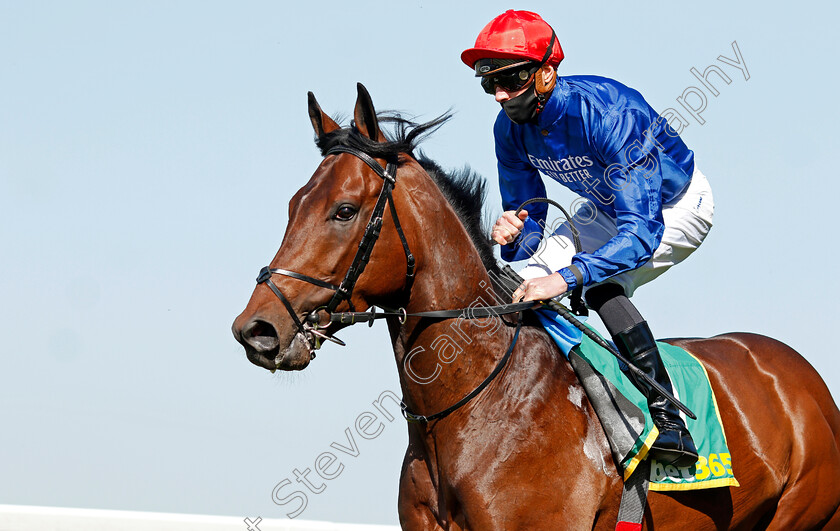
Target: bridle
[312, 331]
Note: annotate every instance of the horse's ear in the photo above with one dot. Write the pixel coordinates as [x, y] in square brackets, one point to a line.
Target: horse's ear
[322, 123]
[365, 116]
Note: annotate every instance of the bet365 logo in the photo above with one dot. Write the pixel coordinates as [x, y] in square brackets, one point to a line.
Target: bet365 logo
[713, 466]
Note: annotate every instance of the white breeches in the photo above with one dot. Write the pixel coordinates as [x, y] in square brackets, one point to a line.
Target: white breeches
[688, 219]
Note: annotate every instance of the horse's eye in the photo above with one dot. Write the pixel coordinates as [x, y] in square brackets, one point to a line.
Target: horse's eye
[345, 213]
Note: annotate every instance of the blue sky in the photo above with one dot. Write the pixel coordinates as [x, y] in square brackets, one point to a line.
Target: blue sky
[148, 152]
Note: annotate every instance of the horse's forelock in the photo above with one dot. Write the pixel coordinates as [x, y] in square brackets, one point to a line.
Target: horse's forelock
[403, 137]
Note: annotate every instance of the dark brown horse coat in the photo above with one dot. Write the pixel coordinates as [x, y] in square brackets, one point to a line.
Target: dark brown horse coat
[528, 452]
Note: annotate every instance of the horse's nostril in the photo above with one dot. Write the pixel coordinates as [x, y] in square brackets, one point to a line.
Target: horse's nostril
[262, 328]
[261, 335]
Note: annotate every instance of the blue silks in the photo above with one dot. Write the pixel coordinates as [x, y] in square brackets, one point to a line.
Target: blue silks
[604, 142]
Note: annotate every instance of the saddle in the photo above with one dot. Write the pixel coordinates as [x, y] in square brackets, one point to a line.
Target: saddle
[622, 410]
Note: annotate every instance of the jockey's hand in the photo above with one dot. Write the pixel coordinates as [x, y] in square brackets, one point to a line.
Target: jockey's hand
[541, 289]
[508, 227]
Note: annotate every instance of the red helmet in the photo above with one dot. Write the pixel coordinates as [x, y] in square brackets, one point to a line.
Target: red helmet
[515, 35]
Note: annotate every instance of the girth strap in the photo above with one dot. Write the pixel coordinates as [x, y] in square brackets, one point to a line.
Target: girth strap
[631, 510]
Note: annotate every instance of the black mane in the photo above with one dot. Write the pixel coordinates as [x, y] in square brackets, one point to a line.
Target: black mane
[465, 190]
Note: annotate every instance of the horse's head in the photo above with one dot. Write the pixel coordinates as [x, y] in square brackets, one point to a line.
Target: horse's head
[319, 268]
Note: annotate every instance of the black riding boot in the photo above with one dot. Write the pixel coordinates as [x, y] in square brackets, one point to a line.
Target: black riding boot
[674, 444]
[634, 340]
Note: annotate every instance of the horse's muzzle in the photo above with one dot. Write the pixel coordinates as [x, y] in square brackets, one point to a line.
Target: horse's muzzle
[262, 346]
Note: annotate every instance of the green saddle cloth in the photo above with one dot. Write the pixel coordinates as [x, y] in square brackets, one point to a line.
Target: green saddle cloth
[623, 412]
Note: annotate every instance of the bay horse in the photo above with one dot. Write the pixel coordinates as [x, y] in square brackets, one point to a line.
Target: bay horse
[527, 452]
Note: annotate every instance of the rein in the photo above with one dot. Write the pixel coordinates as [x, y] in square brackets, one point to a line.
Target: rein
[576, 299]
[411, 417]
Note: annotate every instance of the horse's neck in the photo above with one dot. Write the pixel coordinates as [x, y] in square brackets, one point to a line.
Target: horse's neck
[441, 361]
[537, 394]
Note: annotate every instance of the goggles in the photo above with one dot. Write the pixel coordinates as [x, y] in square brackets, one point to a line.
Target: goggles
[510, 74]
[510, 80]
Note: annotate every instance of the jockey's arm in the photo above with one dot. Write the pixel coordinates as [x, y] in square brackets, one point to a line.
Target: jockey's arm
[635, 192]
[519, 182]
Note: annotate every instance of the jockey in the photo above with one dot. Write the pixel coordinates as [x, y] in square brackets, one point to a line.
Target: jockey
[647, 206]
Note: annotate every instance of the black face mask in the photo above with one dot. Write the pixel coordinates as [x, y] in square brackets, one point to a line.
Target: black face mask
[523, 108]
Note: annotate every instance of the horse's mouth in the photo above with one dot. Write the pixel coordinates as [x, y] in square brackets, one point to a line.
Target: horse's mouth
[266, 348]
[261, 360]
[294, 357]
